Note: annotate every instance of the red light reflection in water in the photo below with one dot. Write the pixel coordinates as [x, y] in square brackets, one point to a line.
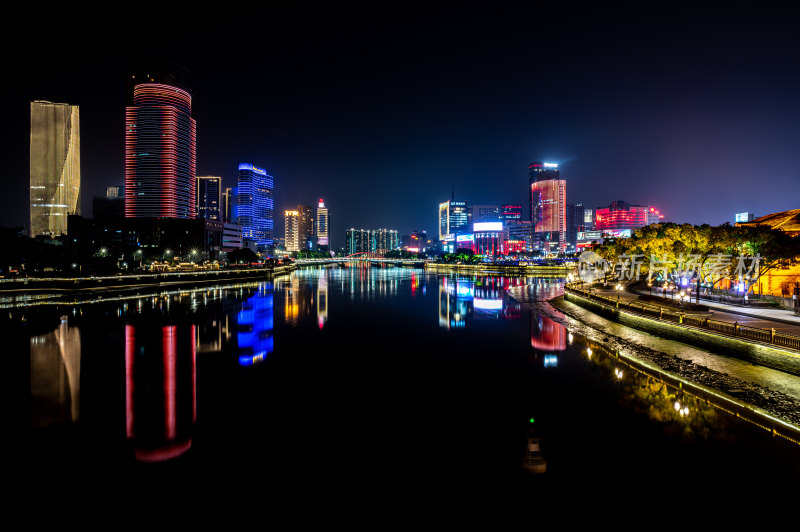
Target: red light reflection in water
[547, 335]
[157, 390]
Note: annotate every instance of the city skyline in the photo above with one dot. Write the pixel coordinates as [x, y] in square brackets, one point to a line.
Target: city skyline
[651, 112]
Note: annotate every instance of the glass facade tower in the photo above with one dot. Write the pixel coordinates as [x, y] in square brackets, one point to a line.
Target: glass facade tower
[160, 153]
[209, 197]
[253, 205]
[55, 167]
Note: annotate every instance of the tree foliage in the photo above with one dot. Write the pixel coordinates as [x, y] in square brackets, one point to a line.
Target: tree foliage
[777, 249]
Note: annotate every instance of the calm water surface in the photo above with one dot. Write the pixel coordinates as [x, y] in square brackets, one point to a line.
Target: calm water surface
[381, 377]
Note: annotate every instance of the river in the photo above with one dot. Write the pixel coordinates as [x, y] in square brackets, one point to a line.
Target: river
[383, 377]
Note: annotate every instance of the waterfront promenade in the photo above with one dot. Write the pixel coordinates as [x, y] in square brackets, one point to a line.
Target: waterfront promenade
[782, 320]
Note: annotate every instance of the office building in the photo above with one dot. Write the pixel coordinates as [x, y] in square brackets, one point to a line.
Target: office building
[253, 205]
[209, 197]
[305, 226]
[521, 231]
[225, 206]
[292, 230]
[323, 226]
[487, 238]
[485, 213]
[373, 241]
[160, 158]
[576, 223]
[620, 215]
[548, 200]
[55, 167]
[454, 220]
[510, 212]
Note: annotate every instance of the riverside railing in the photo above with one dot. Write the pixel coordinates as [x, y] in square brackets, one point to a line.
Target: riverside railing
[769, 336]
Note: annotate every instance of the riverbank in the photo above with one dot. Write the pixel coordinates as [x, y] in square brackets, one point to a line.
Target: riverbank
[500, 269]
[768, 407]
[12, 290]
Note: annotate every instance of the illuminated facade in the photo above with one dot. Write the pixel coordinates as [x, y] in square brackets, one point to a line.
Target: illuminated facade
[510, 212]
[209, 197]
[160, 153]
[622, 215]
[253, 205]
[548, 195]
[55, 167]
[305, 226]
[323, 220]
[487, 237]
[454, 218]
[291, 224]
[376, 241]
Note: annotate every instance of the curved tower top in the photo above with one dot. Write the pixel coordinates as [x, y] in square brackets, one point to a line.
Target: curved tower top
[160, 153]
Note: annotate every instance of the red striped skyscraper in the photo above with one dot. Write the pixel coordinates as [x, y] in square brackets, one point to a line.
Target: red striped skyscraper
[160, 153]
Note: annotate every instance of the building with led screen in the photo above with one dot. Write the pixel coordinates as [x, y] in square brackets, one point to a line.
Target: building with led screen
[253, 205]
[622, 215]
[160, 153]
[55, 166]
[487, 238]
[548, 193]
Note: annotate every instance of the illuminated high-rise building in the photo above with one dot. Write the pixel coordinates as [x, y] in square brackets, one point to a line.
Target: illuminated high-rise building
[323, 226]
[55, 166]
[376, 241]
[548, 201]
[253, 206]
[305, 226]
[209, 197]
[225, 207]
[454, 220]
[160, 158]
[291, 227]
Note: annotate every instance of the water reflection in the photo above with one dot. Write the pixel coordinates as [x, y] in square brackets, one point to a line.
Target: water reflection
[160, 389]
[679, 411]
[547, 335]
[255, 322]
[56, 375]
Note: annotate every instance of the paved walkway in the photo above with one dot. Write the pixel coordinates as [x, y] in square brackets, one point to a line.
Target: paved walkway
[781, 320]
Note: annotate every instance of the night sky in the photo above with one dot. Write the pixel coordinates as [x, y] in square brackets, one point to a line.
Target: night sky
[384, 113]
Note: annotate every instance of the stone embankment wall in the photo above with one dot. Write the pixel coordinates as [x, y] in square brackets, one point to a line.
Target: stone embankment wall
[766, 355]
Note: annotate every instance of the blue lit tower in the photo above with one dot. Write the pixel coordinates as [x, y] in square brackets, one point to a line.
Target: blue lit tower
[253, 205]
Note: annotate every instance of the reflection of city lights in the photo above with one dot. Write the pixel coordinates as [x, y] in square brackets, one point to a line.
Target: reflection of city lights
[589, 351]
[550, 361]
[488, 304]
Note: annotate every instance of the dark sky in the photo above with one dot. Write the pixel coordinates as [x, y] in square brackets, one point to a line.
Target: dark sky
[383, 113]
